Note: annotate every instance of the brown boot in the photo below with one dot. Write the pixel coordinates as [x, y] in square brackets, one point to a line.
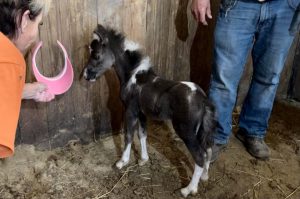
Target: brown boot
[216, 150]
[255, 146]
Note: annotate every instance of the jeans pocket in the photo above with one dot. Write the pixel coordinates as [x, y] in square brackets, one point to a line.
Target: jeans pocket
[226, 5]
[295, 4]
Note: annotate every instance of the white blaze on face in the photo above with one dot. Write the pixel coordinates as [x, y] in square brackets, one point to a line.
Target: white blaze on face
[191, 85]
[131, 45]
[85, 73]
[96, 37]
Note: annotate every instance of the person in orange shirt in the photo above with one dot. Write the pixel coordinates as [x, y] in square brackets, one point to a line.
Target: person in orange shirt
[19, 25]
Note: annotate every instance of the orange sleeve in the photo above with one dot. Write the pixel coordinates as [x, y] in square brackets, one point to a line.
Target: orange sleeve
[11, 86]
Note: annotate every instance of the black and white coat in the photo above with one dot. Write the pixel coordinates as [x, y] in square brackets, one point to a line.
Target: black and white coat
[145, 94]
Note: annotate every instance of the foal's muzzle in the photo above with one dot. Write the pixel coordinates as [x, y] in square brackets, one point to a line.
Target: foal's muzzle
[89, 75]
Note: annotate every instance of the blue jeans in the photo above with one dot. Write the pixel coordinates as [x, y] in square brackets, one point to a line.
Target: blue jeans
[263, 28]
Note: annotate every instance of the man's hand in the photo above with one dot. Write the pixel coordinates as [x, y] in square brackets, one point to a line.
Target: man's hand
[37, 91]
[201, 9]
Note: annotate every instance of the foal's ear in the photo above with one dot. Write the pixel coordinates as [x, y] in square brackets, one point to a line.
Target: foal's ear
[100, 38]
[101, 29]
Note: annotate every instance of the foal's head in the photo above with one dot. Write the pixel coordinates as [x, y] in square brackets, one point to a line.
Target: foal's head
[102, 56]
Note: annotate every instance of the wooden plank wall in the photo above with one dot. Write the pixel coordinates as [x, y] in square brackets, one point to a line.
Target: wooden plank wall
[88, 110]
[294, 82]
[177, 46]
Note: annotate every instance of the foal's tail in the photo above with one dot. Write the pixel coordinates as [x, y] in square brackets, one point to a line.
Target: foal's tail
[208, 125]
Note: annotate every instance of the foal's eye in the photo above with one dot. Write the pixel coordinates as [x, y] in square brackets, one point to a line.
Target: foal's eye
[41, 23]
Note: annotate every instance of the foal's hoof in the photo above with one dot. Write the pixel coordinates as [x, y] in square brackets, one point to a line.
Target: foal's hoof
[142, 162]
[187, 191]
[121, 163]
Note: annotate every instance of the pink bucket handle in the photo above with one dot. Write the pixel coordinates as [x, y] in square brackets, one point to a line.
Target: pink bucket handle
[62, 82]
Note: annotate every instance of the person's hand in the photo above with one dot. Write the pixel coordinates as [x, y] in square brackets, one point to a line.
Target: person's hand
[37, 91]
[44, 96]
[201, 10]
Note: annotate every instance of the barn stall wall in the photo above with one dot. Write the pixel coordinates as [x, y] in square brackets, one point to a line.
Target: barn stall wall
[178, 47]
[294, 81]
[88, 110]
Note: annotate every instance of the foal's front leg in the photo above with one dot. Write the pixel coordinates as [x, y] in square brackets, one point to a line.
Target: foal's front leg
[192, 188]
[204, 176]
[143, 137]
[131, 122]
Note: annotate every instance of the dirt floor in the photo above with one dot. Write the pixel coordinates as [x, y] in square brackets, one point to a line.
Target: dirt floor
[85, 171]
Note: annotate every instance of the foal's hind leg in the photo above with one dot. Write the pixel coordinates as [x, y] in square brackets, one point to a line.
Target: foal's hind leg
[131, 122]
[198, 155]
[143, 137]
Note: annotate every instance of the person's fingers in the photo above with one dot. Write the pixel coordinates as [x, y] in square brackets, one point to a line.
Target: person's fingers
[194, 9]
[43, 98]
[198, 16]
[47, 97]
[50, 97]
[203, 16]
[208, 13]
[37, 96]
[194, 15]
[40, 87]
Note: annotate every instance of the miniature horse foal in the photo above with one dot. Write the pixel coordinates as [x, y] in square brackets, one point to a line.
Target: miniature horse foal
[146, 94]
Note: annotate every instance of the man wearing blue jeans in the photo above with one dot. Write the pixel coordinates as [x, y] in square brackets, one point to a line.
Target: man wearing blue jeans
[264, 28]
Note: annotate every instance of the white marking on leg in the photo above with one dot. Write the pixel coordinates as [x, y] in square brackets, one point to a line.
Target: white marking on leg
[125, 157]
[144, 155]
[143, 140]
[191, 85]
[204, 176]
[131, 45]
[192, 188]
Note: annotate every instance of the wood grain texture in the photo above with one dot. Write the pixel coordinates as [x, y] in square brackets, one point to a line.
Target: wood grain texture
[179, 49]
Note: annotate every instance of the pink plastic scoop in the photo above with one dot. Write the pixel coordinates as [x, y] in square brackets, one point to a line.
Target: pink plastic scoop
[63, 81]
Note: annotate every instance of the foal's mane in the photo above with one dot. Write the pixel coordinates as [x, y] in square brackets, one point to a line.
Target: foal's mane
[128, 59]
[115, 39]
